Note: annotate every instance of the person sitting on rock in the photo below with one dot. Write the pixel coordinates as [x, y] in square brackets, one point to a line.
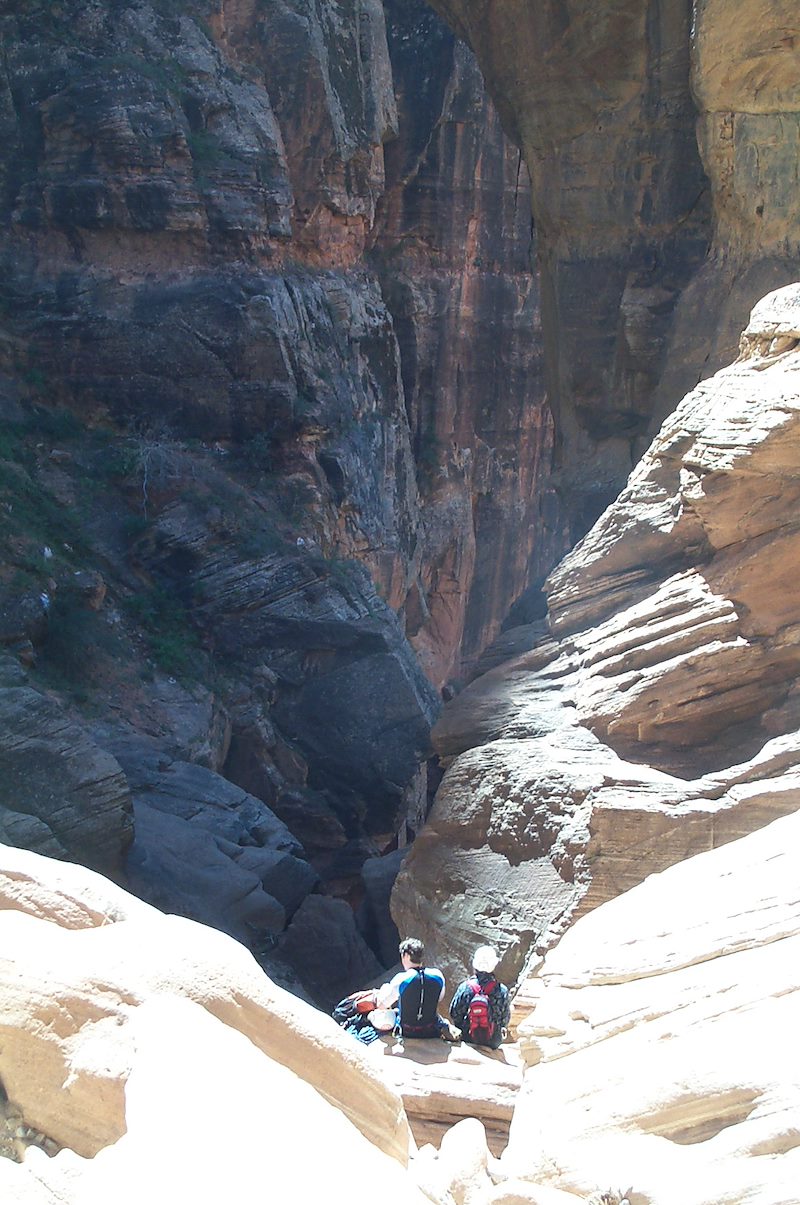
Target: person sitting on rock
[415, 992]
[481, 1007]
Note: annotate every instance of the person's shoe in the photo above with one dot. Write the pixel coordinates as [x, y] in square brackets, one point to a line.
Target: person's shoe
[449, 1033]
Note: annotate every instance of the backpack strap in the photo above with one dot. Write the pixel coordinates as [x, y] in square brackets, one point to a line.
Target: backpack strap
[421, 1005]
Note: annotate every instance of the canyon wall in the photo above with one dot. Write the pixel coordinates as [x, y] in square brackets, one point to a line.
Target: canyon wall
[654, 715]
[661, 138]
[454, 246]
[274, 446]
[280, 395]
[202, 238]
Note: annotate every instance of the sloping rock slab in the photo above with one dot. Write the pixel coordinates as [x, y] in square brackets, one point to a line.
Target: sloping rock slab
[123, 1029]
[661, 1048]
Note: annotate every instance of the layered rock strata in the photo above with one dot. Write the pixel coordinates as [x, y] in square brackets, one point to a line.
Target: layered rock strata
[235, 240]
[658, 718]
[663, 150]
[202, 269]
[453, 248]
[60, 793]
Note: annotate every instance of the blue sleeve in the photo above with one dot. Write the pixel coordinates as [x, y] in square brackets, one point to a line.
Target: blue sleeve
[459, 1005]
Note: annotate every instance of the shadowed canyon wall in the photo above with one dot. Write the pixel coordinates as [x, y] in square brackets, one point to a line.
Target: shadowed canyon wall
[454, 248]
[178, 190]
[275, 440]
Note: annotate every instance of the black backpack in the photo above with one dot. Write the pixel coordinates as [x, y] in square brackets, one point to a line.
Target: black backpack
[418, 1003]
[353, 1020]
[479, 1014]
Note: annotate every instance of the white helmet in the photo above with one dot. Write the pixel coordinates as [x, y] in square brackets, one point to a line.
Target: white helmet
[485, 959]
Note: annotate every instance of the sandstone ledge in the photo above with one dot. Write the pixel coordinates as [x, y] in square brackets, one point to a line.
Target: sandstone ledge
[660, 1049]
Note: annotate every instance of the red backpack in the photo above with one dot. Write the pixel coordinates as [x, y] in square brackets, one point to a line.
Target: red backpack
[479, 1013]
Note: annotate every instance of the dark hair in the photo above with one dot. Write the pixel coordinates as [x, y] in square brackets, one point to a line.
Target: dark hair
[414, 948]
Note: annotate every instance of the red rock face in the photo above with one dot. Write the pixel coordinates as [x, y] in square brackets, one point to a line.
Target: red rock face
[454, 247]
[664, 162]
[170, 172]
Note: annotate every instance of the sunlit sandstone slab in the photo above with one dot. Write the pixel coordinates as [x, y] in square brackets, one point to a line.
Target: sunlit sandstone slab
[526, 834]
[208, 1117]
[662, 1049]
[131, 1038]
